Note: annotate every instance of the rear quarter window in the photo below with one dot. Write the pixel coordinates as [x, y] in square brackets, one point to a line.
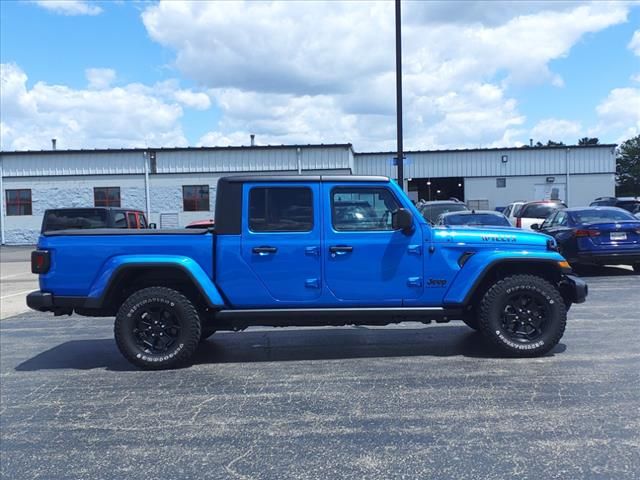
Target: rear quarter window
[73, 219]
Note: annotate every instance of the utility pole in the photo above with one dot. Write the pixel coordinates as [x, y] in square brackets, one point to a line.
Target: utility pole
[400, 157]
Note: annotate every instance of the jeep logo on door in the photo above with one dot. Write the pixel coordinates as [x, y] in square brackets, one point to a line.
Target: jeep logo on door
[498, 238]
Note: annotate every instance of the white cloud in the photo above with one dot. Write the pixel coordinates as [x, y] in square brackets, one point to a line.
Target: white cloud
[189, 98]
[70, 7]
[619, 113]
[100, 78]
[130, 116]
[634, 44]
[558, 130]
[310, 71]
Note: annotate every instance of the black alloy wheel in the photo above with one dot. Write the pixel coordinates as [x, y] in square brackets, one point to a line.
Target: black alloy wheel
[525, 316]
[156, 328]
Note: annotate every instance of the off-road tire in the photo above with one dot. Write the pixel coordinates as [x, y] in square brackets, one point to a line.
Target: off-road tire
[493, 305]
[185, 315]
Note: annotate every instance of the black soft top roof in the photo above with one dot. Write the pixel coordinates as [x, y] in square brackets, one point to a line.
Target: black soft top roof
[303, 178]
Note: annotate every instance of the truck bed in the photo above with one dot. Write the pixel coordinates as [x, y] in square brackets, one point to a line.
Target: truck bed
[82, 261]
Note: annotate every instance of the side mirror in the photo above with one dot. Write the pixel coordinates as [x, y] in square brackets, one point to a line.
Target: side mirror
[535, 226]
[153, 225]
[402, 219]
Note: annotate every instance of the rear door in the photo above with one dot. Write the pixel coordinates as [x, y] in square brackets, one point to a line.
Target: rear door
[281, 236]
[367, 262]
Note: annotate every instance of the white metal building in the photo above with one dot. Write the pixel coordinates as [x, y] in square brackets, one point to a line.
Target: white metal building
[495, 177]
[177, 185]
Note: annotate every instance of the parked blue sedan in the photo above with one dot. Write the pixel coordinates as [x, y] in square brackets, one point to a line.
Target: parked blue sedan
[595, 235]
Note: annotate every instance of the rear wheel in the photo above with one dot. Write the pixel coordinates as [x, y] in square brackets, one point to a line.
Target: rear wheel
[523, 315]
[157, 328]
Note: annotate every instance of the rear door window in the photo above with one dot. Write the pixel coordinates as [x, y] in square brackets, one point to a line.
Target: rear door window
[280, 209]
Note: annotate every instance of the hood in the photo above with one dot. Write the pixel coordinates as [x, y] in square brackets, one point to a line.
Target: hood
[503, 236]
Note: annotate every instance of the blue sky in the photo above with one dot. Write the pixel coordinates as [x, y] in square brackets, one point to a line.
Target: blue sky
[211, 73]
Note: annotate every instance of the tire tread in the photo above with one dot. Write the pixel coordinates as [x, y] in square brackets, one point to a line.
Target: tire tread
[492, 295]
[191, 343]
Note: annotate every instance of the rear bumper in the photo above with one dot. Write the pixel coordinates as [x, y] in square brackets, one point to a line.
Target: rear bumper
[47, 302]
[611, 258]
[42, 302]
[573, 289]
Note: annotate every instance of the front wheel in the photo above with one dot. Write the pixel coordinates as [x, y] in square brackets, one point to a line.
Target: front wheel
[523, 315]
[157, 328]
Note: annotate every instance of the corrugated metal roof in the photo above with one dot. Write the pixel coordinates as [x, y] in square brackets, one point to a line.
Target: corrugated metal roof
[172, 149]
[420, 164]
[489, 163]
[177, 160]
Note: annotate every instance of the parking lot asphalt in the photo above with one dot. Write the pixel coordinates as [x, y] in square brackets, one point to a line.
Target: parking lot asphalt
[406, 401]
[16, 279]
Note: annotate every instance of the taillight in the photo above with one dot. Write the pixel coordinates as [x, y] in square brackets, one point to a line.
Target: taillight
[519, 222]
[40, 261]
[587, 233]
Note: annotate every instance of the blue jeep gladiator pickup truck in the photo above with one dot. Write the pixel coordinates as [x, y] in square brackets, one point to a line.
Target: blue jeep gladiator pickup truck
[306, 250]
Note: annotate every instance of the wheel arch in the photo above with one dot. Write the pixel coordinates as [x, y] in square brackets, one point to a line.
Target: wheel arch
[129, 277]
[548, 269]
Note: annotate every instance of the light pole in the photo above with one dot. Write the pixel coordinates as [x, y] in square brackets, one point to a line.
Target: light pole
[400, 157]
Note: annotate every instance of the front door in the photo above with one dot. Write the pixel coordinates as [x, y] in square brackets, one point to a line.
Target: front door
[281, 236]
[366, 261]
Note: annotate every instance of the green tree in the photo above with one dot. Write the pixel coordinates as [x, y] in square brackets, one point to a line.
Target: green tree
[584, 141]
[628, 168]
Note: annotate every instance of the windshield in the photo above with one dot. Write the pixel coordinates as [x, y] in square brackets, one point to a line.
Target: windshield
[431, 212]
[538, 210]
[601, 216]
[476, 219]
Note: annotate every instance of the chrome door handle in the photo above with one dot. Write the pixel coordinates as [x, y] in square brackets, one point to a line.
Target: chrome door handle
[340, 249]
[262, 251]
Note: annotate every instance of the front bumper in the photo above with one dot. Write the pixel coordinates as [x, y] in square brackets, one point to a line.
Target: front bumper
[573, 289]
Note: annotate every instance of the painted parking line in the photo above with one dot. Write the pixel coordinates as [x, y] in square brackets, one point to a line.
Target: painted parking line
[15, 275]
[16, 294]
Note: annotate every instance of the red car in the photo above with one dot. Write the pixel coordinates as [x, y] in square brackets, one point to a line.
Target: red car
[201, 224]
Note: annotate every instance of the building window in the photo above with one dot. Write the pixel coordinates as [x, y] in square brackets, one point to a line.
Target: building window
[106, 196]
[19, 202]
[195, 198]
[280, 209]
[501, 182]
